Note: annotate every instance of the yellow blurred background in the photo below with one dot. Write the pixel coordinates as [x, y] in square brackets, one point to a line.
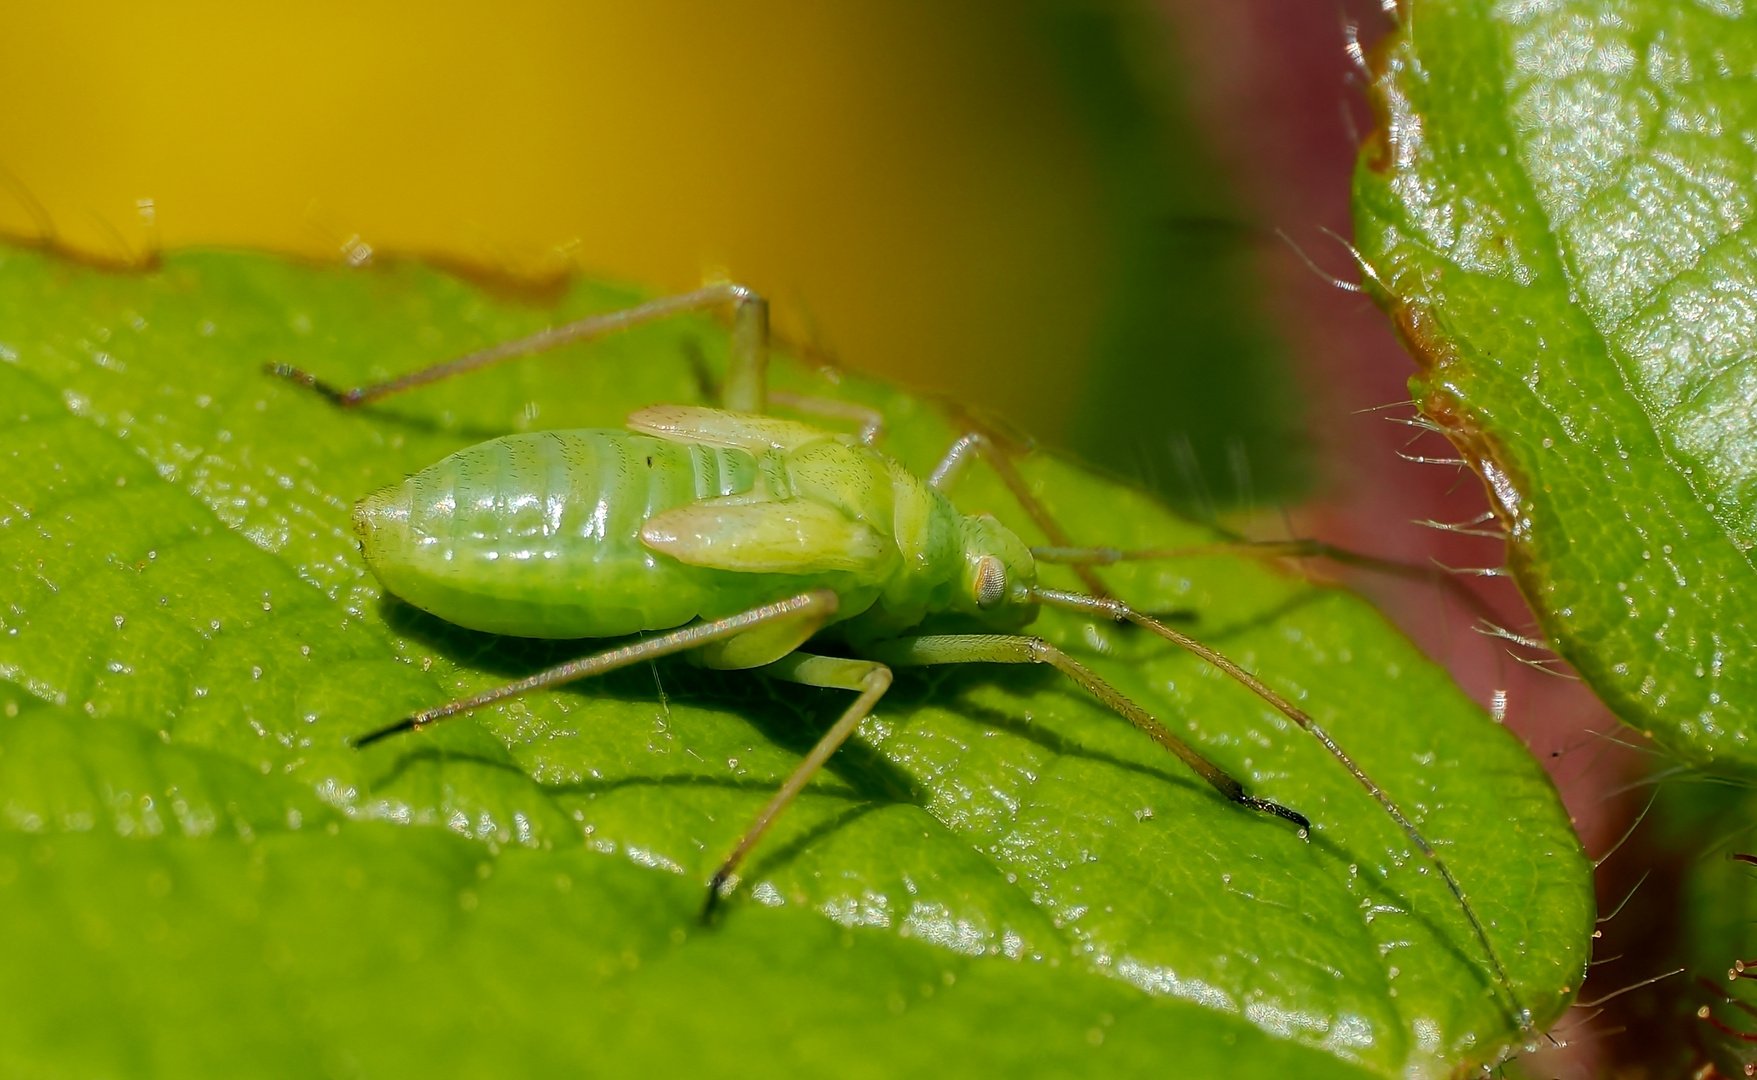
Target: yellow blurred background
[978, 199]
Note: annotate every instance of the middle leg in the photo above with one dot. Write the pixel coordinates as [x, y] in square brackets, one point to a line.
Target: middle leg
[870, 679]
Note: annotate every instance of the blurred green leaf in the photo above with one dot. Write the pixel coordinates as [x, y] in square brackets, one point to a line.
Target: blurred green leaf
[1691, 915]
[198, 876]
[1189, 390]
[1554, 213]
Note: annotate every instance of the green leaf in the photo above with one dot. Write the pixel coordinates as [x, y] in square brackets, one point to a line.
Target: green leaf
[1553, 213]
[199, 875]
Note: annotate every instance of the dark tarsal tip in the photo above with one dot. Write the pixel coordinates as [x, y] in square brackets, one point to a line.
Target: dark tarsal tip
[305, 378]
[1278, 810]
[711, 904]
[408, 724]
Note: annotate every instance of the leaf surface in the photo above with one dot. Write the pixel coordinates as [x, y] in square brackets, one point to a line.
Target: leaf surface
[1554, 212]
[199, 875]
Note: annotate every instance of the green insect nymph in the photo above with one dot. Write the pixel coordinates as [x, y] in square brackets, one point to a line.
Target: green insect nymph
[690, 514]
[738, 537]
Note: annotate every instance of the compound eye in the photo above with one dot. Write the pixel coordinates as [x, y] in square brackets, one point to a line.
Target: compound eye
[991, 581]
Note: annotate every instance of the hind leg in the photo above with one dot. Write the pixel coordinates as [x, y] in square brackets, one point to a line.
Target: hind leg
[745, 389]
[799, 615]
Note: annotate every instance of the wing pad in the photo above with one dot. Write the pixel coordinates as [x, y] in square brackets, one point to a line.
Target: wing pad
[729, 430]
[795, 536]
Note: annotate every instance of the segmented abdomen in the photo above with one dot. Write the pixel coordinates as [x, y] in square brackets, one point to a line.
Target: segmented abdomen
[538, 535]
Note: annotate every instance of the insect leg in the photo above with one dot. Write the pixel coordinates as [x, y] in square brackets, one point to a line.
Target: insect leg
[978, 443]
[869, 678]
[746, 381]
[871, 421]
[807, 608]
[1106, 607]
[1011, 649]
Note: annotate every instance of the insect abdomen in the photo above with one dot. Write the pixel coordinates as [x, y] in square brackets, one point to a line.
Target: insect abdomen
[537, 535]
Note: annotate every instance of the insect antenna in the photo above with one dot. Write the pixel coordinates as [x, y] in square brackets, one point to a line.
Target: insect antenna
[1118, 611]
[1442, 577]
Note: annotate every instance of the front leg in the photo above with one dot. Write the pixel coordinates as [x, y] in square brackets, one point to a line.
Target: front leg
[978, 443]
